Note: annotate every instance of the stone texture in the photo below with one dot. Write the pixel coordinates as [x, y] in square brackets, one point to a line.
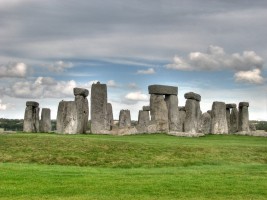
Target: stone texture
[143, 118]
[125, 119]
[45, 122]
[218, 118]
[234, 121]
[181, 108]
[230, 105]
[146, 108]
[173, 112]
[159, 112]
[209, 111]
[110, 116]
[99, 121]
[193, 113]
[252, 127]
[31, 117]
[182, 116]
[162, 89]
[81, 92]
[82, 109]
[228, 112]
[243, 119]
[192, 95]
[205, 123]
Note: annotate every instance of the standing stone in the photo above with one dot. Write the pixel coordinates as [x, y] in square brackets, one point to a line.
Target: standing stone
[31, 117]
[234, 120]
[159, 112]
[143, 118]
[193, 112]
[228, 113]
[82, 109]
[218, 118]
[125, 119]
[45, 123]
[205, 123]
[182, 116]
[99, 121]
[173, 112]
[110, 116]
[243, 117]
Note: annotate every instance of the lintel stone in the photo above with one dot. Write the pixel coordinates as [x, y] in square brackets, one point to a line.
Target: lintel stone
[80, 91]
[162, 89]
[32, 103]
[230, 105]
[241, 104]
[192, 95]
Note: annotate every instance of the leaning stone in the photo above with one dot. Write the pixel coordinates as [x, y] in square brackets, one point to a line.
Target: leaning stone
[218, 118]
[205, 123]
[99, 121]
[80, 91]
[173, 112]
[231, 105]
[159, 112]
[192, 95]
[241, 104]
[162, 89]
[125, 119]
[45, 122]
[146, 108]
[243, 119]
[110, 116]
[234, 120]
[193, 113]
[32, 103]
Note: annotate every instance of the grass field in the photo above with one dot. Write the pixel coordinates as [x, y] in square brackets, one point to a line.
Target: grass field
[49, 166]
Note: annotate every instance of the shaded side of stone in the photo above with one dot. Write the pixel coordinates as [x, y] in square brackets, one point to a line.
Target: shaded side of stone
[192, 95]
[234, 120]
[110, 116]
[81, 92]
[99, 119]
[228, 112]
[182, 116]
[243, 120]
[125, 119]
[162, 89]
[193, 113]
[31, 117]
[146, 108]
[82, 109]
[205, 123]
[159, 112]
[143, 118]
[173, 112]
[218, 118]
[45, 122]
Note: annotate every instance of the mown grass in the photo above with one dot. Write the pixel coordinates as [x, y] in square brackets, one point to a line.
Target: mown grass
[132, 167]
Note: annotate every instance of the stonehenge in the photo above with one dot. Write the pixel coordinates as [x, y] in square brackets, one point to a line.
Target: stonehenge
[162, 115]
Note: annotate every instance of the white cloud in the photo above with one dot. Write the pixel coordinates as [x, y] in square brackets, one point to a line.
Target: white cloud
[136, 96]
[13, 70]
[217, 59]
[133, 86]
[253, 76]
[148, 71]
[112, 84]
[59, 66]
[2, 105]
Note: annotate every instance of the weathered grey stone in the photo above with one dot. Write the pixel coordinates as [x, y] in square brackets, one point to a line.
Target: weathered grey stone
[228, 112]
[45, 122]
[32, 103]
[193, 113]
[230, 105]
[234, 120]
[125, 119]
[110, 116]
[82, 109]
[67, 117]
[146, 108]
[218, 118]
[209, 111]
[31, 117]
[162, 89]
[241, 104]
[173, 112]
[80, 91]
[192, 95]
[143, 121]
[243, 119]
[182, 116]
[181, 108]
[205, 123]
[99, 121]
[159, 112]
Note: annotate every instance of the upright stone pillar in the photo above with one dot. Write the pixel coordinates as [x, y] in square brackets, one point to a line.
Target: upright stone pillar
[99, 120]
[218, 118]
[243, 121]
[45, 122]
[193, 112]
[125, 119]
[229, 107]
[205, 123]
[234, 120]
[164, 112]
[31, 117]
[182, 115]
[143, 118]
[110, 116]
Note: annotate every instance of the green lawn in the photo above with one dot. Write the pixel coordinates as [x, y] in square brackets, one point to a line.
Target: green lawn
[49, 166]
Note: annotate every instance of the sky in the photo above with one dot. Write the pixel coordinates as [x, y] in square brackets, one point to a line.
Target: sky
[211, 47]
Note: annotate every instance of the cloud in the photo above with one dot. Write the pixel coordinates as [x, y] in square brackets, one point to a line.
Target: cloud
[148, 71]
[216, 59]
[59, 66]
[41, 87]
[253, 76]
[112, 84]
[136, 96]
[133, 86]
[13, 70]
[2, 105]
